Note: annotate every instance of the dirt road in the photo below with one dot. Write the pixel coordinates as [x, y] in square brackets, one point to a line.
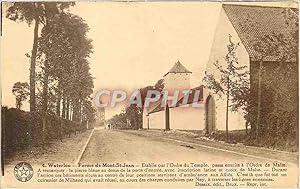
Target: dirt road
[119, 146]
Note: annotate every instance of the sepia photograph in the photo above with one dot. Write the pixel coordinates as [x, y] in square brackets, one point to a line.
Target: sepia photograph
[169, 94]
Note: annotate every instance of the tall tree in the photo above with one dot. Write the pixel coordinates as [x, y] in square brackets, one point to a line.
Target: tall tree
[234, 79]
[34, 12]
[64, 49]
[21, 92]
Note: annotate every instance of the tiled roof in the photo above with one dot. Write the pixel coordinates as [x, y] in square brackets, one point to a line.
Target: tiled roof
[178, 68]
[159, 108]
[296, 11]
[191, 98]
[153, 106]
[252, 23]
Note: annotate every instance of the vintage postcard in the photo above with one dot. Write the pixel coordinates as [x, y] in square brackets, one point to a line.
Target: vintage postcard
[169, 94]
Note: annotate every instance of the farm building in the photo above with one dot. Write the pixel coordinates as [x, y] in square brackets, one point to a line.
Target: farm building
[246, 25]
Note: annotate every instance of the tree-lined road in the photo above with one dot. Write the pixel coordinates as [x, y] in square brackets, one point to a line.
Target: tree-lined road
[115, 146]
[119, 146]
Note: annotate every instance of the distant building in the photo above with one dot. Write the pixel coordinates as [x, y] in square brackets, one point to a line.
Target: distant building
[100, 116]
[182, 118]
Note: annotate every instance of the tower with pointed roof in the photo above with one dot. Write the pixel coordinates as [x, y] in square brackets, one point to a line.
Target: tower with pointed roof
[178, 78]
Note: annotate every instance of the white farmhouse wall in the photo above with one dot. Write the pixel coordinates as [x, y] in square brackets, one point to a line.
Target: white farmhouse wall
[178, 81]
[188, 118]
[218, 51]
[145, 118]
[157, 120]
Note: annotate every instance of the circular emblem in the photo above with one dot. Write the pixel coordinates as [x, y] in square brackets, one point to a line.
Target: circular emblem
[23, 171]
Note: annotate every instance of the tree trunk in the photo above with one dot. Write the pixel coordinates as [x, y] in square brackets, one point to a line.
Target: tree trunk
[71, 110]
[45, 87]
[58, 101]
[76, 111]
[61, 130]
[32, 65]
[80, 111]
[44, 122]
[3, 138]
[63, 113]
[259, 99]
[68, 108]
[227, 103]
[227, 108]
[45, 98]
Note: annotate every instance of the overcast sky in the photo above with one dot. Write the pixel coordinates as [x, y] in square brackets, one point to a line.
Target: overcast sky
[135, 44]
